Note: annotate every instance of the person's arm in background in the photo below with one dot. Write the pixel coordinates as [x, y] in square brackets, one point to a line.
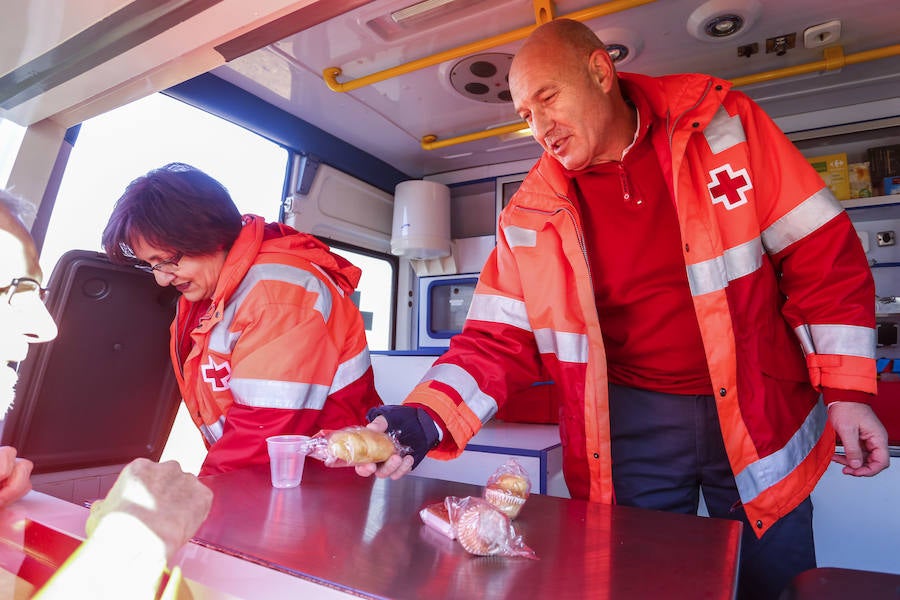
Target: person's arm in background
[494, 357]
[150, 512]
[15, 474]
[828, 286]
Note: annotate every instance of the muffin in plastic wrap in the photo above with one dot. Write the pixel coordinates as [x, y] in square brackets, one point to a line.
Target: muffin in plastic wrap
[508, 488]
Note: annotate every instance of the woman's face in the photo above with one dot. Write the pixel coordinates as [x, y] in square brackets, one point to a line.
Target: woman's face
[194, 276]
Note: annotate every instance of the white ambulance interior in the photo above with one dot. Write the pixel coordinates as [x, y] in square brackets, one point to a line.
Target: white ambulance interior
[366, 95]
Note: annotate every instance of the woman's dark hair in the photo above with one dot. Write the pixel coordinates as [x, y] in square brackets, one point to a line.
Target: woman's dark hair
[175, 207]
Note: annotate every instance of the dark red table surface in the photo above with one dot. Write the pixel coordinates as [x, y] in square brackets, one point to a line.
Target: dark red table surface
[364, 536]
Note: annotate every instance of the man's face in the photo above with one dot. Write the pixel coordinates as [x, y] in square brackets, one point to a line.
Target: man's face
[564, 103]
[23, 317]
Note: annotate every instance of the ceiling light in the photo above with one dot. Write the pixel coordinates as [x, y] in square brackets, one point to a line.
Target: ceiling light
[418, 9]
[723, 25]
[617, 52]
[623, 45]
[718, 20]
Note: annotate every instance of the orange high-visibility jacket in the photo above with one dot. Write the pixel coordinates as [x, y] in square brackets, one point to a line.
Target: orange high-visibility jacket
[282, 348]
[781, 287]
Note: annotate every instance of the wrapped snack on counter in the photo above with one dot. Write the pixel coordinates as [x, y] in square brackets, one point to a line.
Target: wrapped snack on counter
[353, 446]
[437, 516]
[508, 488]
[483, 530]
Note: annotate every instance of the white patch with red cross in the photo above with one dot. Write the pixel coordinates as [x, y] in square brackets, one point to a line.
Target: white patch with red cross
[728, 187]
[217, 375]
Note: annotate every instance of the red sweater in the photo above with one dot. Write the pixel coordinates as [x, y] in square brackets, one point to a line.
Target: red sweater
[649, 326]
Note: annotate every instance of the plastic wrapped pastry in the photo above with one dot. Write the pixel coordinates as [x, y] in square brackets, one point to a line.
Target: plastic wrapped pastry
[483, 530]
[508, 488]
[353, 446]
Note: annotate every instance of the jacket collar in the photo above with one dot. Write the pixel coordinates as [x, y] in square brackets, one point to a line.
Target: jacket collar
[671, 98]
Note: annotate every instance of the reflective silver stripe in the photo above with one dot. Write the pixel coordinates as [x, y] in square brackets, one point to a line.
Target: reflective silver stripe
[568, 347]
[222, 340]
[806, 218]
[213, 432]
[268, 393]
[724, 131]
[499, 309]
[465, 385]
[712, 275]
[766, 472]
[519, 236]
[848, 340]
[350, 370]
[707, 276]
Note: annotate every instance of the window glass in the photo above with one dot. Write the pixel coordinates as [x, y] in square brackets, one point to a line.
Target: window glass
[11, 136]
[115, 148]
[374, 297]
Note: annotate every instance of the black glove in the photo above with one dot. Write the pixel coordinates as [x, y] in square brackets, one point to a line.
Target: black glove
[411, 426]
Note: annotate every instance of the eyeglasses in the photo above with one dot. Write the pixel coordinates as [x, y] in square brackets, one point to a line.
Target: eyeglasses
[168, 266]
[22, 286]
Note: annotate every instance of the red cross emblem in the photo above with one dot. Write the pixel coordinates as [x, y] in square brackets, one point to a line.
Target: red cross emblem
[728, 187]
[216, 375]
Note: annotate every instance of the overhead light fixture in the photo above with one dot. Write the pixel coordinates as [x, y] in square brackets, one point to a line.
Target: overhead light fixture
[723, 25]
[419, 17]
[418, 9]
[623, 45]
[718, 20]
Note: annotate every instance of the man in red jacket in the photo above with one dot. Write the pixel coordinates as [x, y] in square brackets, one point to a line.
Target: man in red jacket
[699, 297]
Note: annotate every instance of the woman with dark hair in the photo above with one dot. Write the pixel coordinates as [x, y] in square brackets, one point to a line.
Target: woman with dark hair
[266, 339]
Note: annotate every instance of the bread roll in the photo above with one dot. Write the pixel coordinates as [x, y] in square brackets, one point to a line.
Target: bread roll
[359, 445]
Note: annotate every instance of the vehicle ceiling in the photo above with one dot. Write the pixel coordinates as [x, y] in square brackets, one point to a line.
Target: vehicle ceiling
[388, 119]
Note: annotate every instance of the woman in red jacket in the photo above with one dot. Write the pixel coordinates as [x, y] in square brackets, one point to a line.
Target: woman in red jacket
[266, 339]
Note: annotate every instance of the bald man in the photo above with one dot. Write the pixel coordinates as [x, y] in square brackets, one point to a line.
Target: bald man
[699, 297]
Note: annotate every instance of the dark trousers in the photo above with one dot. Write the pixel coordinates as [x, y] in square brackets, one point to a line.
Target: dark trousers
[666, 448]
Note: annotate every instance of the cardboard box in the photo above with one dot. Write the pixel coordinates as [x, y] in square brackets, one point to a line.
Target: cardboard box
[860, 180]
[835, 172]
[891, 185]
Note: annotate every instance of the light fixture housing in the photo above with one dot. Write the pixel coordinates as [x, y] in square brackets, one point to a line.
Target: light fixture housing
[722, 20]
[623, 45]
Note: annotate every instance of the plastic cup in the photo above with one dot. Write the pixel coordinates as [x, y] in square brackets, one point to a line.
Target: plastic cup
[287, 453]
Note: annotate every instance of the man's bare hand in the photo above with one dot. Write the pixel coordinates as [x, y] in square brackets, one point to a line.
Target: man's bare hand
[863, 436]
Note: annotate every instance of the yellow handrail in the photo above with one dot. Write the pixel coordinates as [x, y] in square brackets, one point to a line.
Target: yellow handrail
[834, 58]
[330, 74]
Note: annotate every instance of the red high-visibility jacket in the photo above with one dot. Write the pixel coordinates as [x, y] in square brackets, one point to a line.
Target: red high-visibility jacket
[781, 288]
[282, 348]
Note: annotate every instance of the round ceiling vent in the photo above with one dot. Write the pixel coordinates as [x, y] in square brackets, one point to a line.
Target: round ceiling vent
[483, 77]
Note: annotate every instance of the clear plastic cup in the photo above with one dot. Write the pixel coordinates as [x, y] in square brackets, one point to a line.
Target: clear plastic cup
[287, 454]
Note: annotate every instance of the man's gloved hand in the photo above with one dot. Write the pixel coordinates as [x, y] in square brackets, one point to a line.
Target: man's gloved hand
[413, 427]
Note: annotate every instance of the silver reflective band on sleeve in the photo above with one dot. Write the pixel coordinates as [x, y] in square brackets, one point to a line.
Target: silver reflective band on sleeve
[222, 340]
[519, 236]
[766, 472]
[499, 309]
[350, 370]
[267, 393]
[714, 274]
[807, 217]
[847, 340]
[213, 432]
[465, 385]
[568, 347]
[724, 131]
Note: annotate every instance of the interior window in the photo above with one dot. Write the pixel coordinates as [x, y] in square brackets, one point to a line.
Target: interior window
[373, 295]
[11, 135]
[115, 148]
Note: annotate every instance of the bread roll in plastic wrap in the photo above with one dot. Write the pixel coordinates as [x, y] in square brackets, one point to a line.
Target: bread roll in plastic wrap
[353, 446]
